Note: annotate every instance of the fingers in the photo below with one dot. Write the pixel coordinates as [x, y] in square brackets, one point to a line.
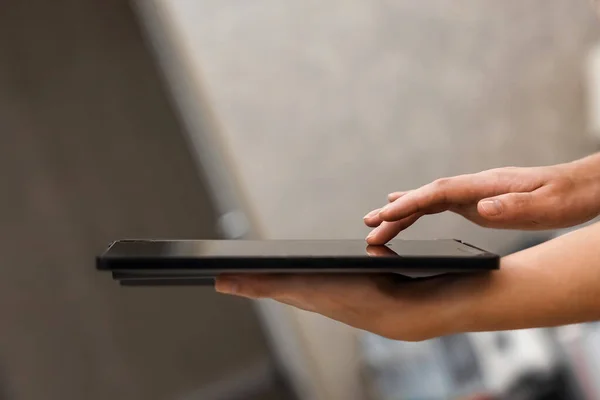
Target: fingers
[372, 219]
[279, 285]
[256, 286]
[460, 194]
[312, 292]
[282, 288]
[444, 193]
[386, 231]
[370, 301]
[358, 300]
[395, 196]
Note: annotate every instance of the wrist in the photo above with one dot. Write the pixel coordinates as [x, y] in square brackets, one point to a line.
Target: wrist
[555, 283]
[478, 312]
[583, 177]
[470, 302]
[496, 306]
[587, 168]
[516, 296]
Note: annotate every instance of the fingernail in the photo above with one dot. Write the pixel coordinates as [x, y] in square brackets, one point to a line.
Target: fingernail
[371, 214]
[491, 207]
[228, 286]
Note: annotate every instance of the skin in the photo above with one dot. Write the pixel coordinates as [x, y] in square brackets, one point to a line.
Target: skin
[538, 198]
[552, 284]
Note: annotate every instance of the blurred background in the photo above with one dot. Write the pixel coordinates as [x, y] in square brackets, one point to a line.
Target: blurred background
[269, 119]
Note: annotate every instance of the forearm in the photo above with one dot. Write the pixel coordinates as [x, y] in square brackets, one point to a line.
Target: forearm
[555, 283]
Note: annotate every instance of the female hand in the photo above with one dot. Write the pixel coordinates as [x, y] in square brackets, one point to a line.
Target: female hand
[537, 198]
[555, 283]
[409, 310]
[551, 284]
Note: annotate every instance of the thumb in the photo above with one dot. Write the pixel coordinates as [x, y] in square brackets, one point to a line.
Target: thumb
[509, 207]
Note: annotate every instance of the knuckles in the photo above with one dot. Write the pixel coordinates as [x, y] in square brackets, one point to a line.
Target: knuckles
[442, 183]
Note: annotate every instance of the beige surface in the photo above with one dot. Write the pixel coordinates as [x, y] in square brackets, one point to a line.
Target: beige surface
[328, 106]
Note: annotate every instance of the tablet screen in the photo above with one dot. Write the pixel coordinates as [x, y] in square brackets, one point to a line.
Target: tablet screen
[289, 249]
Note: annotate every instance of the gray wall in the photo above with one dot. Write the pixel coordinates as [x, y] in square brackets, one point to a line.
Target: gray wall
[343, 101]
[346, 100]
[90, 151]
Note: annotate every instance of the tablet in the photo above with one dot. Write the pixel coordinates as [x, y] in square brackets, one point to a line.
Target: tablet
[193, 262]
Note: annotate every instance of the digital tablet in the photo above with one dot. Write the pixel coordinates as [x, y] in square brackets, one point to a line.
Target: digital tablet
[193, 262]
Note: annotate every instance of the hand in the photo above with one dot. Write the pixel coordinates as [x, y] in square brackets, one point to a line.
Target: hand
[410, 310]
[555, 283]
[506, 198]
[552, 284]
